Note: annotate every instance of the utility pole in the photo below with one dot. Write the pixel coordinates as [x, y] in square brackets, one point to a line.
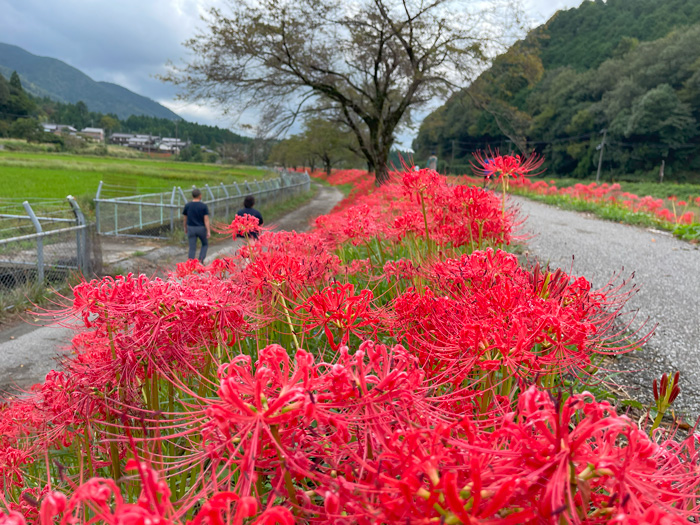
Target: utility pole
[601, 147]
[661, 171]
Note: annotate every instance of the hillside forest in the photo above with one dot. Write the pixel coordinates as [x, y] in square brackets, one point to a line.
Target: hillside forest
[622, 76]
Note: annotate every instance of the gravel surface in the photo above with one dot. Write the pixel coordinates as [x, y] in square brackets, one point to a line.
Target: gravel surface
[31, 348]
[667, 273]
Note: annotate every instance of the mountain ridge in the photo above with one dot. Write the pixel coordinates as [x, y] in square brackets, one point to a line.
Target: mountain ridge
[52, 78]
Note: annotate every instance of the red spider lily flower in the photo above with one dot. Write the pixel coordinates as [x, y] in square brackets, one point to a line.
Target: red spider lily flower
[337, 306]
[12, 518]
[492, 165]
[402, 269]
[243, 226]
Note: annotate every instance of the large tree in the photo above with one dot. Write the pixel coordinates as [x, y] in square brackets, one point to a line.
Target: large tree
[367, 63]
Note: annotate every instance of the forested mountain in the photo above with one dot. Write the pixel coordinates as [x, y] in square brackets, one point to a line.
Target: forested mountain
[49, 77]
[624, 70]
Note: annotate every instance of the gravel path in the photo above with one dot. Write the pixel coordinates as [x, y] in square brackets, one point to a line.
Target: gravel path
[28, 350]
[667, 272]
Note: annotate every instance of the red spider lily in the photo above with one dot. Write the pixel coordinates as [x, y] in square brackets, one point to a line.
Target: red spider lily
[337, 306]
[401, 269]
[446, 427]
[493, 166]
[13, 518]
[289, 261]
[484, 313]
[243, 226]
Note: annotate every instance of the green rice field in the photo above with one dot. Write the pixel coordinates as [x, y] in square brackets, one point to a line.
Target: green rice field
[27, 175]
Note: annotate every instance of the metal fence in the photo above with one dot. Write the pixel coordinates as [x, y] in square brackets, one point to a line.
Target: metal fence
[43, 241]
[157, 215]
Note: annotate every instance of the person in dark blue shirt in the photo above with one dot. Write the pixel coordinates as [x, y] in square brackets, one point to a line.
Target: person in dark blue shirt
[248, 209]
[195, 219]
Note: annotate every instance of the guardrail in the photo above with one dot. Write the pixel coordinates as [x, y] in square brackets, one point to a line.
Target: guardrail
[156, 215]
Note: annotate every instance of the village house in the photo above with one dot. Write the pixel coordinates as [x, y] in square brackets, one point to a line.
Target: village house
[121, 139]
[172, 145]
[59, 129]
[97, 134]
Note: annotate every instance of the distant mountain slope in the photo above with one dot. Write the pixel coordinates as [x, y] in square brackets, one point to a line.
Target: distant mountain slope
[626, 70]
[49, 77]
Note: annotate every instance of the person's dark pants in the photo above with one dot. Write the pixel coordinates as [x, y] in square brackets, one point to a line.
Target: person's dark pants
[194, 233]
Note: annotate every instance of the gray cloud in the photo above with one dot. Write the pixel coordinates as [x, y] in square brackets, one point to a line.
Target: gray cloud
[127, 42]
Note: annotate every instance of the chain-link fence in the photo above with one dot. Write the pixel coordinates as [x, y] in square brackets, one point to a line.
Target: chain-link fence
[157, 215]
[43, 241]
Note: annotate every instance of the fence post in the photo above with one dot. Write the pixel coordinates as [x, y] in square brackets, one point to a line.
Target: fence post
[39, 242]
[211, 193]
[212, 211]
[80, 235]
[228, 199]
[97, 207]
[182, 194]
[237, 188]
[172, 209]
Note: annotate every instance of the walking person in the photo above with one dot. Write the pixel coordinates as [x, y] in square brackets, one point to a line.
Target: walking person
[432, 161]
[195, 219]
[248, 209]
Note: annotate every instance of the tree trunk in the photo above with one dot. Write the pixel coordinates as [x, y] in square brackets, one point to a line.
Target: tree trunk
[381, 175]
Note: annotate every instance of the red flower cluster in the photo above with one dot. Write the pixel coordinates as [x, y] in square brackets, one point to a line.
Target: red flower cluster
[668, 210]
[493, 166]
[393, 366]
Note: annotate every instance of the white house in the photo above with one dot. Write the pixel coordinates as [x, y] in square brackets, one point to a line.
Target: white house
[97, 134]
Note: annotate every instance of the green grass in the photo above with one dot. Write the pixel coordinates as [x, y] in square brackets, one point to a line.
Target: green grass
[27, 175]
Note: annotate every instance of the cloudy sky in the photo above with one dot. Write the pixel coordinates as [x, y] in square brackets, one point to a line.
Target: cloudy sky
[129, 41]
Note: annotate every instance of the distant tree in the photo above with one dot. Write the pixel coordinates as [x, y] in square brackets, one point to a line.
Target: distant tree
[291, 153]
[368, 63]
[4, 98]
[109, 124]
[328, 143]
[660, 116]
[26, 128]
[192, 153]
[15, 82]
[20, 103]
[232, 152]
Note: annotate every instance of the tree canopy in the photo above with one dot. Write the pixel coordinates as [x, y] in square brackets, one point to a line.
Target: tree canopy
[644, 90]
[367, 63]
[321, 142]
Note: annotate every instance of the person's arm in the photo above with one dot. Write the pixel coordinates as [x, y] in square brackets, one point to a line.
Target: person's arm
[206, 224]
[184, 219]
